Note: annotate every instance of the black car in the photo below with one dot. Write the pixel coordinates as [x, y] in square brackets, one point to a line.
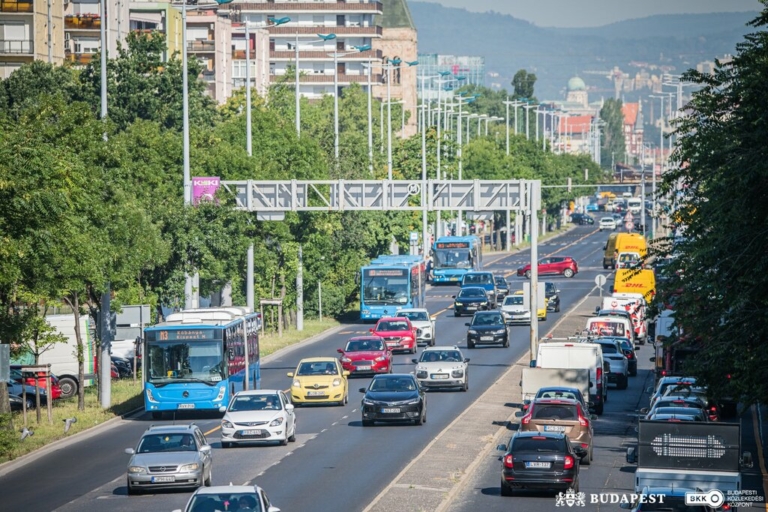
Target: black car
[123, 365]
[487, 327]
[469, 300]
[502, 288]
[17, 404]
[539, 460]
[394, 397]
[582, 219]
[552, 293]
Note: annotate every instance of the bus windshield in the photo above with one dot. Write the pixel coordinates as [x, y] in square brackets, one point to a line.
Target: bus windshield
[385, 290]
[184, 361]
[452, 258]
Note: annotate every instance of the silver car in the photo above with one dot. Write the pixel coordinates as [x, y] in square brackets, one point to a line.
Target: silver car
[230, 497]
[614, 356]
[170, 456]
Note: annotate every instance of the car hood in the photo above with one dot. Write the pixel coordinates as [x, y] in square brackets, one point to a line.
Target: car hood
[164, 459]
[321, 380]
[421, 324]
[392, 396]
[367, 355]
[390, 334]
[515, 308]
[486, 328]
[252, 416]
[436, 366]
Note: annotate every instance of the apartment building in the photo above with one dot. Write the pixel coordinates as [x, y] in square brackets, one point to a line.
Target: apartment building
[352, 22]
[149, 17]
[82, 28]
[258, 47]
[209, 39]
[30, 30]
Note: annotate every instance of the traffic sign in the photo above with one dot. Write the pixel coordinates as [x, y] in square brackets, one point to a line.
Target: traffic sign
[629, 226]
[600, 281]
[629, 217]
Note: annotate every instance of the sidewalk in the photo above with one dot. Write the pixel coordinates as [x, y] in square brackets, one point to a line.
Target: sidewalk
[438, 473]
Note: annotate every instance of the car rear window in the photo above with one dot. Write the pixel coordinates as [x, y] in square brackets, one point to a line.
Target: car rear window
[609, 348]
[555, 412]
[529, 444]
[478, 279]
[677, 403]
[558, 394]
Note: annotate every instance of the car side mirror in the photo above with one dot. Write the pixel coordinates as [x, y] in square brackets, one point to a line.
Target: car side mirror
[453, 296]
[649, 390]
[222, 409]
[371, 330]
[177, 510]
[637, 347]
[362, 390]
[345, 373]
[631, 455]
[593, 417]
[501, 447]
[467, 324]
[289, 374]
[653, 359]
[597, 309]
[205, 449]
[340, 351]
[532, 364]
[557, 290]
[644, 410]
[415, 361]
[273, 509]
[591, 384]
[466, 360]
[289, 407]
[130, 451]
[746, 460]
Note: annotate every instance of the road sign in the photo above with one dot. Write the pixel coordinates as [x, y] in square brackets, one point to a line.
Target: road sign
[600, 281]
[629, 217]
[629, 226]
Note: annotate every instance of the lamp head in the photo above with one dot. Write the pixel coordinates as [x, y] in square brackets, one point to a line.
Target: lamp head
[363, 48]
[279, 21]
[413, 63]
[396, 61]
[445, 73]
[326, 37]
[222, 2]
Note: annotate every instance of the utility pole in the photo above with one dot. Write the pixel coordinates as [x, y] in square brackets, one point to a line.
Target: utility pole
[105, 370]
[300, 293]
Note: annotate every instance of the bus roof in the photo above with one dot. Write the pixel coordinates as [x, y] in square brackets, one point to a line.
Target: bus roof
[471, 239]
[391, 260]
[211, 317]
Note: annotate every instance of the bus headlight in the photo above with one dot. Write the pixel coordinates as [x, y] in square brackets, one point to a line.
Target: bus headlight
[222, 392]
[150, 397]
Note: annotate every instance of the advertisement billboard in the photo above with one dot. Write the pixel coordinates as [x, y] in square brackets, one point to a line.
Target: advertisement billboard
[204, 189]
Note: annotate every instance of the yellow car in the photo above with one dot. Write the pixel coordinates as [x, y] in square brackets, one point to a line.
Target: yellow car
[541, 313]
[319, 380]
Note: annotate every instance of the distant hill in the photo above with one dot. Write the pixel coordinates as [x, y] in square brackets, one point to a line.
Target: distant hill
[556, 54]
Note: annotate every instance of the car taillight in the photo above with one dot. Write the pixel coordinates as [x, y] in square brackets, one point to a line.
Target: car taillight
[630, 356]
[568, 462]
[713, 409]
[599, 376]
[584, 422]
[509, 461]
[527, 418]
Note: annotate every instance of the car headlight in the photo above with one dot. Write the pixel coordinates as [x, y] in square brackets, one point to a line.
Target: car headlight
[137, 470]
[457, 374]
[380, 359]
[484, 303]
[187, 468]
[150, 397]
[415, 401]
[500, 331]
[296, 383]
[346, 360]
[457, 304]
[337, 382]
[226, 424]
[421, 374]
[276, 422]
[368, 402]
[471, 331]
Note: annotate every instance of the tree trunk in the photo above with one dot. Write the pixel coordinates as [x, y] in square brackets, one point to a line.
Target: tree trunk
[74, 303]
[5, 404]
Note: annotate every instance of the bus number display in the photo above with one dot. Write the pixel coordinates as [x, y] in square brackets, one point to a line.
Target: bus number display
[187, 334]
[453, 245]
[385, 273]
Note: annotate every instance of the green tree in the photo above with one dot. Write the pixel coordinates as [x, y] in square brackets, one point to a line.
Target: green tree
[612, 144]
[523, 84]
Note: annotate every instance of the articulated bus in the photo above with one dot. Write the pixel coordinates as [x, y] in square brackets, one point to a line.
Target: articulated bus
[391, 283]
[196, 359]
[454, 256]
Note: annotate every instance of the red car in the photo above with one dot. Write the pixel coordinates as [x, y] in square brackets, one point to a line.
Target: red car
[27, 378]
[397, 332]
[365, 355]
[554, 265]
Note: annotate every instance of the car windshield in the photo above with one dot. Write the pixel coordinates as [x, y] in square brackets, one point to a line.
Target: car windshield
[555, 412]
[608, 220]
[317, 368]
[685, 411]
[513, 300]
[673, 385]
[471, 293]
[549, 288]
[392, 326]
[488, 320]
[241, 502]
[155, 443]
[501, 282]
[477, 279]
[433, 356]
[393, 384]
[606, 327]
[364, 345]
[255, 403]
[543, 444]
[419, 316]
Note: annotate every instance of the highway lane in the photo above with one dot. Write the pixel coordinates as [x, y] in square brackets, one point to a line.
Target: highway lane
[332, 451]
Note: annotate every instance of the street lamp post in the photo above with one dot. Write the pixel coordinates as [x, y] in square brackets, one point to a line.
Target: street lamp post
[297, 78]
[336, 56]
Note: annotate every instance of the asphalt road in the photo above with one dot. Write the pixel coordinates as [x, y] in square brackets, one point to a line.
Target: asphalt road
[335, 463]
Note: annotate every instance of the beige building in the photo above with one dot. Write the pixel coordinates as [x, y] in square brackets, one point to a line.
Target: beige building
[148, 17]
[30, 31]
[258, 46]
[399, 41]
[82, 28]
[209, 39]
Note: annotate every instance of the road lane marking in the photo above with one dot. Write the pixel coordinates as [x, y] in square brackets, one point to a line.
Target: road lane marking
[212, 431]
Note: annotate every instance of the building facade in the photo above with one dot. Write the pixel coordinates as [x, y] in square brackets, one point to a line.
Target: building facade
[30, 30]
[149, 17]
[82, 28]
[633, 130]
[209, 40]
[258, 46]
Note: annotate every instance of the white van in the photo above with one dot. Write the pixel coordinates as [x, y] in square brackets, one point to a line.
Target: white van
[634, 204]
[610, 326]
[572, 355]
[635, 305]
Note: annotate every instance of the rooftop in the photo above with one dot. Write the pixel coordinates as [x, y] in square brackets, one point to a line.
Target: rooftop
[396, 15]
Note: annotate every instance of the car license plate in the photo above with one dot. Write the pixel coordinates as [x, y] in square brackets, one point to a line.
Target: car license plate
[315, 393]
[160, 479]
[255, 432]
[543, 465]
[391, 411]
[553, 428]
[186, 406]
[439, 376]
[454, 279]
[486, 338]
[363, 368]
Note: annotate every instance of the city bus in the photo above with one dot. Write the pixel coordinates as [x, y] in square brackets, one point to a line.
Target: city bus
[454, 256]
[196, 359]
[390, 283]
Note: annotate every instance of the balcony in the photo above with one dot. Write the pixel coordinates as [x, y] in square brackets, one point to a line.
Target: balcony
[315, 55]
[308, 7]
[201, 46]
[339, 31]
[208, 75]
[82, 22]
[321, 78]
[78, 59]
[20, 6]
[15, 47]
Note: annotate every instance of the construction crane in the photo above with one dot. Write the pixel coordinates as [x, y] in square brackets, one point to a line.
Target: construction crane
[615, 75]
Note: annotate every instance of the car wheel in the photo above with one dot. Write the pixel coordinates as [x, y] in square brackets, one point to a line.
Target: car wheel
[225, 445]
[465, 387]
[506, 343]
[624, 382]
[346, 398]
[292, 437]
[470, 344]
[367, 423]
[390, 367]
[419, 420]
[208, 480]
[587, 459]
[568, 273]
[456, 313]
[575, 487]
[557, 308]
[599, 409]
[131, 490]
[31, 403]
[506, 490]
[68, 387]
[413, 349]
[284, 442]
[527, 274]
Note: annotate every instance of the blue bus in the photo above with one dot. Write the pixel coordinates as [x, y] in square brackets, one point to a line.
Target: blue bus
[454, 256]
[391, 283]
[196, 359]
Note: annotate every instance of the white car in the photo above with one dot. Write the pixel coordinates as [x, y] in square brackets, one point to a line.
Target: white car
[230, 497]
[423, 322]
[608, 223]
[513, 310]
[258, 415]
[442, 367]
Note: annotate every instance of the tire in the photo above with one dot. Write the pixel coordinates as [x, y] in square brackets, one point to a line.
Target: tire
[527, 274]
[456, 313]
[413, 349]
[367, 423]
[557, 308]
[599, 409]
[68, 387]
[624, 382]
[346, 397]
[470, 344]
[292, 437]
[575, 488]
[157, 415]
[505, 489]
[284, 442]
[568, 273]
[506, 342]
[587, 459]
[633, 373]
[420, 419]
[131, 490]
[209, 480]
[31, 403]
[226, 445]
[465, 387]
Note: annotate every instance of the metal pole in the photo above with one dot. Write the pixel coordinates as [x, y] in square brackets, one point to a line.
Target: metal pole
[300, 293]
[320, 300]
[188, 287]
[507, 104]
[516, 118]
[534, 190]
[370, 120]
[105, 368]
[509, 234]
[336, 107]
[438, 222]
[459, 219]
[402, 127]
[537, 123]
[50, 33]
[248, 133]
[527, 126]
[381, 126]
[251, 302]
[298, 93]
[389, 123]
[424, 220]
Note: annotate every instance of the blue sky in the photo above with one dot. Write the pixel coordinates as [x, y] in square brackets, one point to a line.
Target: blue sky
[592, 13]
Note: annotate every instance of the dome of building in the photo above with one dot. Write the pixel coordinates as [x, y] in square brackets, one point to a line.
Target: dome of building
[576, 84]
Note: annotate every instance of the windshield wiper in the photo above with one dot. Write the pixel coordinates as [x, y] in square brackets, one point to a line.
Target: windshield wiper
[165, 382]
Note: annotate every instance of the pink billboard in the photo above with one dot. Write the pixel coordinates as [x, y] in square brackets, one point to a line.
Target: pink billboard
[204, 189]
